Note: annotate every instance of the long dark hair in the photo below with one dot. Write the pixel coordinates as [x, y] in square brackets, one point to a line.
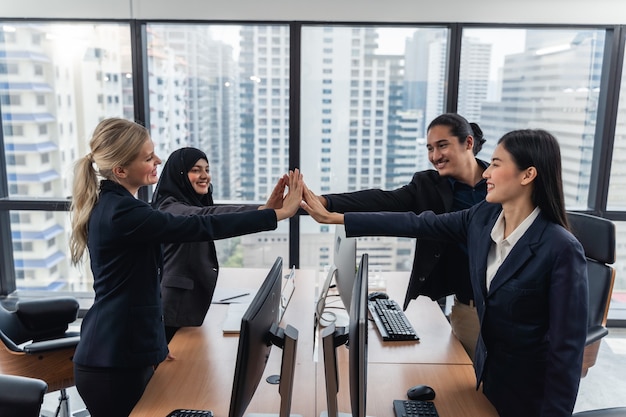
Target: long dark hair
[539, 149]
[461, 128]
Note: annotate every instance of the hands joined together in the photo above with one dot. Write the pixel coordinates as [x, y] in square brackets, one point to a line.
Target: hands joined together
[299, 196]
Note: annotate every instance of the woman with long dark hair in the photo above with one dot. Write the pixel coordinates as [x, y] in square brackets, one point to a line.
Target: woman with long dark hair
[528, 274]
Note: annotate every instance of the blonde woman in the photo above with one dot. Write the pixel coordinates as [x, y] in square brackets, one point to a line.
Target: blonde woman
[122, 334]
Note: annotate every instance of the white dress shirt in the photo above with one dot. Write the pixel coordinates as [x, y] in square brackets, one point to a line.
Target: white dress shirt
[501, 247]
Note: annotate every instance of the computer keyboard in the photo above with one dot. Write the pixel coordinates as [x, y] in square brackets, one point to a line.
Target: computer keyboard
[414, 408]
[190, 413]
[392, 323]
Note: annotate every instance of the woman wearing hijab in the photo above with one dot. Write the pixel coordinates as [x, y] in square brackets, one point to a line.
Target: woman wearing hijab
[190, 269]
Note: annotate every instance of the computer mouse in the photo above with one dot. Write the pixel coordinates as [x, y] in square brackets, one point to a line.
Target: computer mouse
[421, 392]
[377, 294]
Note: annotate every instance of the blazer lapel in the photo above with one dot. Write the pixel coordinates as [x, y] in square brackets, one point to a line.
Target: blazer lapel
[519, 255]
[479, 250]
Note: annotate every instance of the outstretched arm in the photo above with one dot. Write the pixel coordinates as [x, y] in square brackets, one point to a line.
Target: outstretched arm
[312, 205]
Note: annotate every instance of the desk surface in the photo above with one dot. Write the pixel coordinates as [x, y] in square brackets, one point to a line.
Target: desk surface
[201, 375]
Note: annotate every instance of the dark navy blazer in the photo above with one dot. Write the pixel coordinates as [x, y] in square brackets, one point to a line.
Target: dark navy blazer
[190, 269]
[534, 316]
[124, 327]
[439, 268]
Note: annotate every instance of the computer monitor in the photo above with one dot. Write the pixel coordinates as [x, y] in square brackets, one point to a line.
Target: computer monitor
[356, 337]
[259, 331]
[342, 271]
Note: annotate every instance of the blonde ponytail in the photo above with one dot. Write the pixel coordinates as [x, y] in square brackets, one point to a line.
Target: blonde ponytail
[115, 143]
[85, 196]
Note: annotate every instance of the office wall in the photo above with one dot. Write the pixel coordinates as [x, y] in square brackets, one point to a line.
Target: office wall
[489, 11]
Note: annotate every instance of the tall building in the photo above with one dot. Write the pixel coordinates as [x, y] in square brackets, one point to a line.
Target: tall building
[355, 134]
[56, 83]
[537, 95]
[264, 109]
[194, 98]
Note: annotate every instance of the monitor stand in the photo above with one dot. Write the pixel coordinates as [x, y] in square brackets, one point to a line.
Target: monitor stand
[287, 340]
[332, 338]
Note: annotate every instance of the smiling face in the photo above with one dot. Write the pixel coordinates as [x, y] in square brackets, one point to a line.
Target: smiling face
[448, 156]
[505, 181]
[200, 176]
[141, 171]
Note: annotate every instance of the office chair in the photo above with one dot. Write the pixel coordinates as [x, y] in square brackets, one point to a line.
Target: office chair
[604, 412]
[38, 345]
[21, 396]
[597, 235]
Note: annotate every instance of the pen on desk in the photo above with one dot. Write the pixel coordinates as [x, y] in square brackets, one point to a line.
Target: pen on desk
[235, 296]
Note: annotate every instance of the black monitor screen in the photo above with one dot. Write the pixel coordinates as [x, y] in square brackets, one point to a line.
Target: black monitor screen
[255, 340]
[357, 341]
[356, 337]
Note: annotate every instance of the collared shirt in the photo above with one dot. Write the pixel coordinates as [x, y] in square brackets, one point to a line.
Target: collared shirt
[501, 247]
[465, 196]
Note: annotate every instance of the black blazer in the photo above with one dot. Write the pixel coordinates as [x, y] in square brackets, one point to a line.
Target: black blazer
[190, 269]
[439, 268]
[534, 316]
[124, 327]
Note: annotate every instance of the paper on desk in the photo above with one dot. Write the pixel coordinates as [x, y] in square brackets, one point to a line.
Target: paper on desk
[232, 321]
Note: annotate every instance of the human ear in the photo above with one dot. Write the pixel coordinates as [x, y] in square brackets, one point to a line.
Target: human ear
[529, 176]
[119, 172]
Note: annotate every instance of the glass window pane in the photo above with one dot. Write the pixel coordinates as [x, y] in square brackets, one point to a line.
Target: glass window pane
[618, 301]
[224, 89]
[617, 199]
[41, 253]
[367, 94]
[536, 79]
[617, 183]
[57, 81]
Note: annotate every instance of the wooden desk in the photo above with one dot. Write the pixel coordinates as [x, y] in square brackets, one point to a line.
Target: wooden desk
[454, 385]
[201, 376]
[437, 343]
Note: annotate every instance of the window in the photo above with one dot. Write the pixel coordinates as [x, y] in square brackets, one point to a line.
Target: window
[548, 79]
[39, 159]
[241, 55]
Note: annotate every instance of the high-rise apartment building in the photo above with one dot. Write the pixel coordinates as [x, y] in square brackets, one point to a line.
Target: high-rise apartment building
[536, 95]
[56, 83]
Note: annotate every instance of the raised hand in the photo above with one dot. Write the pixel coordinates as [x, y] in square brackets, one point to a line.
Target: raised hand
[275, 199]
[292, 200]
[312, 204]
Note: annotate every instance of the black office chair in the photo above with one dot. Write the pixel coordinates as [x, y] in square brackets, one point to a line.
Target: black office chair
[597, 235]
[605, 412]
[21, 396]
[37, 343]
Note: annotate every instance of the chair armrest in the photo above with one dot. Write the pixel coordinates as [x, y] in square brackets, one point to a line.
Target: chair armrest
[20, 392]
[49, 315]
[595, 333]
[54, 344]
[9, 343]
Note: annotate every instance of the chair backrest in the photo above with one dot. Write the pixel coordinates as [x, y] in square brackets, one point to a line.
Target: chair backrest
[38, 319]
[597, 236]
[21, 396]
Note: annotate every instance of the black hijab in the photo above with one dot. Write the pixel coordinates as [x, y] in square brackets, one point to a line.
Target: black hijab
[174, 181]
